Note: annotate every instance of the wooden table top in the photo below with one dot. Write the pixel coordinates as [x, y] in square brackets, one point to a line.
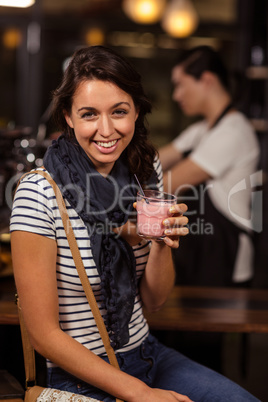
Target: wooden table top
[213, 310]
[8, 307]
[187, 309]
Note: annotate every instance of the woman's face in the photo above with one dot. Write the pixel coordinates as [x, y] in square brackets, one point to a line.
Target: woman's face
[103, 118]
[188, 92]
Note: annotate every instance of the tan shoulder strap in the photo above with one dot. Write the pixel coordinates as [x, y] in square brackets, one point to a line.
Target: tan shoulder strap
[80, 268]
[28, 351]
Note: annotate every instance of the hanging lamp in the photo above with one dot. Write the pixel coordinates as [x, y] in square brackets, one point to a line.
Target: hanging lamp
[180, 18]
[144, 11]
[17, 3]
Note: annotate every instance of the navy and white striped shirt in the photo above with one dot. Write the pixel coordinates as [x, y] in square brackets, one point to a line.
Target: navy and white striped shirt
[35, 210]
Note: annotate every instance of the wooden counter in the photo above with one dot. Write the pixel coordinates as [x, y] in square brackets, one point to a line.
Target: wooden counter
[8, 308]
[213, 310]
[187, 309]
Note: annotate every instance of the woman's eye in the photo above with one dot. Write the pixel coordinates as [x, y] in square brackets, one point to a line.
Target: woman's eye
[88, 115]
[120, 112]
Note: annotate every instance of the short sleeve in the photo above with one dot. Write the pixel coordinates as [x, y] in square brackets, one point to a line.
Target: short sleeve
[159, 173]
[32, 209]
[225, 145]
[189, 138]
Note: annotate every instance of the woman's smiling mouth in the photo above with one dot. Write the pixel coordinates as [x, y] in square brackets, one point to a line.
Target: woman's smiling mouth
[108, 144]
[107, 147]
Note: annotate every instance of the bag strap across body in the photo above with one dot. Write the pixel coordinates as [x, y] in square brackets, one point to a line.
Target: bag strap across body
[28, 351]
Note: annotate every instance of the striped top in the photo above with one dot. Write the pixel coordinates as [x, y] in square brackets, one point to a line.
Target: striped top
[35, 210]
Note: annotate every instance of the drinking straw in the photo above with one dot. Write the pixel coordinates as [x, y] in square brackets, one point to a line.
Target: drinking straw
[141, 190]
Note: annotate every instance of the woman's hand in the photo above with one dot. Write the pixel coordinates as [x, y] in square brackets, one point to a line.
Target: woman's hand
[175, 225]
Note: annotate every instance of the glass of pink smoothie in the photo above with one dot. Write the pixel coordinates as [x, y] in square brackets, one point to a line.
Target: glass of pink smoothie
[152, 210]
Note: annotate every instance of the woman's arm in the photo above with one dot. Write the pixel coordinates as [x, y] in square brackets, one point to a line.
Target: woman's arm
[34, 262]
[159, 276]
[169, 156]
[183, 176]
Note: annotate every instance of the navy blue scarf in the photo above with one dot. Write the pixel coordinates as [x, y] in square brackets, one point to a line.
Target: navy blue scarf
[96, 200]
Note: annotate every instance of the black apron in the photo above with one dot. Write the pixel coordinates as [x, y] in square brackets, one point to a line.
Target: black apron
[204, 257]
[207, 255]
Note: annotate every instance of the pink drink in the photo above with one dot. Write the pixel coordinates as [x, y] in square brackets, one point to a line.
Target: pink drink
[151, 214]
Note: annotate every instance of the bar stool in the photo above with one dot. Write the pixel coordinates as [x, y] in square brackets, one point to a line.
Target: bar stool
[10, 389]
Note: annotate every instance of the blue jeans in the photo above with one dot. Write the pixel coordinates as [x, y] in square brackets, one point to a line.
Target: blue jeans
[160, 367]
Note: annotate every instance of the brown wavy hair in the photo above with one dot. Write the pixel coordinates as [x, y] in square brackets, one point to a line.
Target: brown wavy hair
[102, 63]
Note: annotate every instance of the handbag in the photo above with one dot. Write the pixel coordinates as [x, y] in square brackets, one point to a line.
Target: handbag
[34, 392]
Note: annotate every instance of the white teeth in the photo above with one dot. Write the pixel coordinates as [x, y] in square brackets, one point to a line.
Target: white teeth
[106, 144]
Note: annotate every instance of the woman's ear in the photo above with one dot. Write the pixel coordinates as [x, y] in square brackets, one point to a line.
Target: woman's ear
[68, 120]
[208, 77]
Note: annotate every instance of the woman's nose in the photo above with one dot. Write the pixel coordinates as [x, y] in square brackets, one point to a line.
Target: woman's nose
[105, 126]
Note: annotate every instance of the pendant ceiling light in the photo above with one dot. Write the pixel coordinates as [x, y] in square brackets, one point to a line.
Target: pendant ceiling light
[180, 18]
[17, 3]
[12, 38]
[144, 11]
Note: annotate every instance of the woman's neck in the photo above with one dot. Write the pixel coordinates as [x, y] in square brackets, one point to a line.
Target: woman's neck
[216, 107]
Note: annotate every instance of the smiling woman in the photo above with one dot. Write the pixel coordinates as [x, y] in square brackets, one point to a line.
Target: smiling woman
[100, 106]
[103, 117]
[123, 100]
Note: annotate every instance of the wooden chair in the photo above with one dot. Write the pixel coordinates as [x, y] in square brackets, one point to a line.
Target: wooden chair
[10, 389]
